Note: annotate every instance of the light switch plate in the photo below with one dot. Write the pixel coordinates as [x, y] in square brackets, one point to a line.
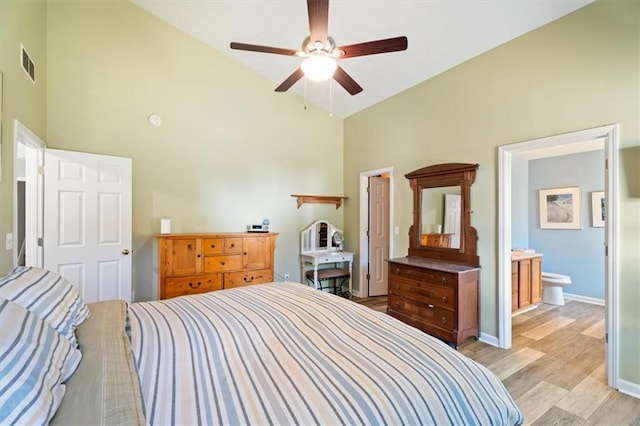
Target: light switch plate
[8, 241]
[396, 230]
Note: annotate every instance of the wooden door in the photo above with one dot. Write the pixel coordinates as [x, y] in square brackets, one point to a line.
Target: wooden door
[452, 215]
[524, 283]
[87, 227]
[378, 235]
[184, 256]
[256, 252]
[536, 279]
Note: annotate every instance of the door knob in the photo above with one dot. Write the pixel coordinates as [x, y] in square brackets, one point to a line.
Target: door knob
[125, 251]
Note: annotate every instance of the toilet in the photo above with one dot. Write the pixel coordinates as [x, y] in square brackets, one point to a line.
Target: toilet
[552, 288]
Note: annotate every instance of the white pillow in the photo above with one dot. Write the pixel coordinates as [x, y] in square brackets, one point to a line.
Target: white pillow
[49, 296]
[35, 361]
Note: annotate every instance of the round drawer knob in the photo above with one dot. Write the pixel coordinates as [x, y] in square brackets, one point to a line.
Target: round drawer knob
[444, 299]
[444, 280]
[397, 286]
[444, 320]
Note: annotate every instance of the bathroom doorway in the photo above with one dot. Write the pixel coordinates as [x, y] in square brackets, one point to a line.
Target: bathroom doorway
[607, 135]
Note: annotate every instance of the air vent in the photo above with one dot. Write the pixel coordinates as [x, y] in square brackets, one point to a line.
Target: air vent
[27, 64]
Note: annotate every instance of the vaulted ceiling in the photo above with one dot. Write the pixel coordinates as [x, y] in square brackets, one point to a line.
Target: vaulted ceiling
[441, 33]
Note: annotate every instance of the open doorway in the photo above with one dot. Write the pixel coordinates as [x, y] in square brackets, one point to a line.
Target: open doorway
[375, 242]
[607, 135]
[28, 200]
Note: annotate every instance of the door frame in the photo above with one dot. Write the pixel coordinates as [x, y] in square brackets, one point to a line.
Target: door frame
[610, 134]
[33, 179]
[363, 262]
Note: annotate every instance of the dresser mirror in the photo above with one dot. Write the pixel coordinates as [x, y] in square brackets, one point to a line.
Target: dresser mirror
[441, 227]
[440, 217]
[321, 236]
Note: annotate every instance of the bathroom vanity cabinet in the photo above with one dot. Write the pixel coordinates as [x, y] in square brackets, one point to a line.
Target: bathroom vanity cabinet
[526, 280]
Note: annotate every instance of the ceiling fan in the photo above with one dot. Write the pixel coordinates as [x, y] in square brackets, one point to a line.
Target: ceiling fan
[321, 52]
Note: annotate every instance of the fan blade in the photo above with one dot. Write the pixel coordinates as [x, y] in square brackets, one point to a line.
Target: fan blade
[346, 81]
[262, 49]
[318, 20]
[290, 81]
[374, 47]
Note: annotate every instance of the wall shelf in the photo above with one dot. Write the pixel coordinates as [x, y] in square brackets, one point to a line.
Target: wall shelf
[319, 199]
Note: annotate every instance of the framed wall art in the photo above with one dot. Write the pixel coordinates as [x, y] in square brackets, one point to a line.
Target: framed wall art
[597, 209]
[560, 208]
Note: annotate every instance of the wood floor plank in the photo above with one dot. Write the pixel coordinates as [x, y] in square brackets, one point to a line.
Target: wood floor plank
[559, 417]
[618, 409]
[543, 330]
[584, 399]
[597, 330]
[514, 362]
[538, 400]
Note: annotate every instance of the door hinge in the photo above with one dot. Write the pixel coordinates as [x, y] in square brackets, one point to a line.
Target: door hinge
[606, 250]
[368, 189]
[606, 337]
[40, 242]
[606, 164]
[367, 233]
[368, 276]
[41, 170]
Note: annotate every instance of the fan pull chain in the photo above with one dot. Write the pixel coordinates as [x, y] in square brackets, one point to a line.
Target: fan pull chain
[330, 98]
[305, 93]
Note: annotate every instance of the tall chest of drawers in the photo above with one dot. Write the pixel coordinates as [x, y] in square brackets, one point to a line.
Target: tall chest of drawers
[198, 263]
[439, 298]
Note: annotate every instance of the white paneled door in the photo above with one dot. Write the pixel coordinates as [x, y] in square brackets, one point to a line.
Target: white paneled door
[87, 224]
[378, 235]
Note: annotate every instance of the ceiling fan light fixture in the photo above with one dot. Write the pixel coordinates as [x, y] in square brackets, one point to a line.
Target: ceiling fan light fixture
[319, 67]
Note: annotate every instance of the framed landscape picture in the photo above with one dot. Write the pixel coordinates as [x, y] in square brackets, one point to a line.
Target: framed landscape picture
[597, 209]
[560, 208]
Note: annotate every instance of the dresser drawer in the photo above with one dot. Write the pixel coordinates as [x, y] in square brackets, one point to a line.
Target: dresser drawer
[243, 278]
[424, 275]
[441, 296]
[232, 245]
[425, 312]
[222, 263]
[192, 285]
[213, 246]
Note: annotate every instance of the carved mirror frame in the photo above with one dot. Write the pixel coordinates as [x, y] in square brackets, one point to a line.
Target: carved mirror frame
[441, 175]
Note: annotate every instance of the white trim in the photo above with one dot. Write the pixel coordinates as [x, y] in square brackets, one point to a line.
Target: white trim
[489, 339]
[34, 192]
[609, 134]
[363, 257]
[585, 299]
[524, 310]
[629, 388]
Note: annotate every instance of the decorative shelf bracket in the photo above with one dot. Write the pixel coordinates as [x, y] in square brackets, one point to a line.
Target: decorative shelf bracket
[320, 199]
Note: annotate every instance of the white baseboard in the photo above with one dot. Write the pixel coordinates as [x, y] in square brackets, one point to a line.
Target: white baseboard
[489, 339]
[585, 299]
[629, 388]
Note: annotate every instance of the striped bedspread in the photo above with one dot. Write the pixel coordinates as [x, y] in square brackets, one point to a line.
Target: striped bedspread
[285, 354]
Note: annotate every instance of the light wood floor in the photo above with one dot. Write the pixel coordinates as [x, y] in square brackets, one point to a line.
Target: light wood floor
[555, 369]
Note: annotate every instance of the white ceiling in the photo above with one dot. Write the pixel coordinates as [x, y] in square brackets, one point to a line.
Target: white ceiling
[441, 33]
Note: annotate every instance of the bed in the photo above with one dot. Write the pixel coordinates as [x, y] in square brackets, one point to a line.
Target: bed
[278, 353]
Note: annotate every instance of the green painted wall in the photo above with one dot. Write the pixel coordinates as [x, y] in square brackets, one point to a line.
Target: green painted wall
[579, 72]
[20, 22]
[230, 151]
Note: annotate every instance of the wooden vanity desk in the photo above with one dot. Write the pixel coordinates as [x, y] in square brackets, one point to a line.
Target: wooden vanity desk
[436, 287]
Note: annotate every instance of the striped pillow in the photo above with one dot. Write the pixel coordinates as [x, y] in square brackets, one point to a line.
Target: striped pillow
[35, 361]
[49, 296]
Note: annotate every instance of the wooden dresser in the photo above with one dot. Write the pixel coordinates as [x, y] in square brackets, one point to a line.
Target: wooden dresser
[437, 297]
[198, 263]
[436, 287]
